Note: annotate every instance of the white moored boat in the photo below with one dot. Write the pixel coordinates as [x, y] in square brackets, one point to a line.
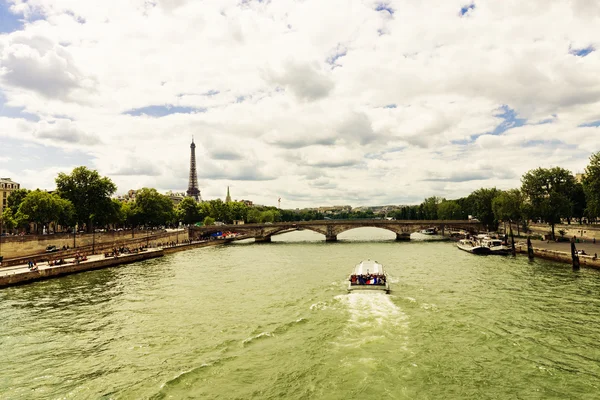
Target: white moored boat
[473, 246]
[495, 245]
[368, 275]
[428, 231]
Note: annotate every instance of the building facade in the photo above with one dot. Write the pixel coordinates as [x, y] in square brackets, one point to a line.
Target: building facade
[6, 187]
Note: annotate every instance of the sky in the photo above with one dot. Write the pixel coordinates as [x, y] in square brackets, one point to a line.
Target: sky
[337, 102]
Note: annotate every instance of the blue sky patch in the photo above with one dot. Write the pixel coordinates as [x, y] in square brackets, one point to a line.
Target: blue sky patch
[590, 124]
[162, 111]
[390, 106]
[550, 143]
[510, 120]
[338, 54]
[27, 155]
[15, 112]
[385, 7]
[582, 52]
[9, 22]
[466, 9]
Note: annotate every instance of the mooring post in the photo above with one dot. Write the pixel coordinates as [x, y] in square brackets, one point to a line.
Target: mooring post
[529, 249]
[512, 240]
[574, 256]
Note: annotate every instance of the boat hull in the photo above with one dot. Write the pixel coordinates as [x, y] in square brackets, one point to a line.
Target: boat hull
[479, 250]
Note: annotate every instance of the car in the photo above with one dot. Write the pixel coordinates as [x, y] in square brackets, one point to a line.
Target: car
[51, 249]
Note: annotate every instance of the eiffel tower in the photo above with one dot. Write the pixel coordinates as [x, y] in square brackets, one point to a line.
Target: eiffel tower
[193, 190]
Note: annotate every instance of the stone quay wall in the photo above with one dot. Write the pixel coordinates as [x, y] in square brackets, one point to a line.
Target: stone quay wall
[67, 269]
[560, 256]
[585, 232]
[35, 245]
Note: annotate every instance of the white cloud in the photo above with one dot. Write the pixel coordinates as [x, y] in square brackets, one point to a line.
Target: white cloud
[316, 102]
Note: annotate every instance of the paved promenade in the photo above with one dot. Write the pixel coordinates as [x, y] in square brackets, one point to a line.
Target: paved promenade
[42, 266]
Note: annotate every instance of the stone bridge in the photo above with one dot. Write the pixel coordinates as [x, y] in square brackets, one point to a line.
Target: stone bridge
[331, 228]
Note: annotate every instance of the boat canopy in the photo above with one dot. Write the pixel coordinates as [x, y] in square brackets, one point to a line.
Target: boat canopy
[368, 267]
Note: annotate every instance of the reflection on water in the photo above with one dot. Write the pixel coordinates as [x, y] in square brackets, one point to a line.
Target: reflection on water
[274, 321]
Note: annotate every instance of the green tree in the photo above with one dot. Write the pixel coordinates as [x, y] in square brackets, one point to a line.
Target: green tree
[15, 198]
[208, 221]
[591, 186]
[430, 207]
[9, 220]
[188, 211]
[253, 216]
[548, 193]
[42, 208]
[152, 208]
[449, 210]
[578, 199]
[237, 211]
[66, 213]
[481, 206]
[88, 191]
[508, 207]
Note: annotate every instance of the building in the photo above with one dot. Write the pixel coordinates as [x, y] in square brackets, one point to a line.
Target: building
[129, 197]
[579, 178]
[6, 187]
[175, 197]
[228, 197]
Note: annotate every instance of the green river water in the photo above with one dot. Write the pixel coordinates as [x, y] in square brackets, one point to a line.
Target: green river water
[274, 321]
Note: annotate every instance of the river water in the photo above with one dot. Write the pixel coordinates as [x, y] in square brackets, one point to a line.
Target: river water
[274, 321]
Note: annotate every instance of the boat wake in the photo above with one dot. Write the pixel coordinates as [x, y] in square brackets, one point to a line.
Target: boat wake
[373, 317]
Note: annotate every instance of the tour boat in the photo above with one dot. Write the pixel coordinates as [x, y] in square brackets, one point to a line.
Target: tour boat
[428, 231]
[495, 245]
[368, 275]
[473, 247]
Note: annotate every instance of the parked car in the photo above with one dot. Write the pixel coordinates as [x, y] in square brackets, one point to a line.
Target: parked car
[51, 249]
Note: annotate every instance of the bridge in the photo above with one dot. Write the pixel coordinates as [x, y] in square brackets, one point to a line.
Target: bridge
[332, 228]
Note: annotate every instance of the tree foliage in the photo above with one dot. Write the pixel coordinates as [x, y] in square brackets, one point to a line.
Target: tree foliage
[89, 192]
[152, 208]
[188, 211]
[591, 186]
[449, 210]
[548, 193]
[481, 205]
[42, 208]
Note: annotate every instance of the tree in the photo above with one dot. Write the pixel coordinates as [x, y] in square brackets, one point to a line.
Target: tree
[187, 211]
[578, 199]
[66, 212]
[15, 198]
[430, 207]
[591, 186]
[88, 191]
[152, 208]
[8, 219]
[548, 193]
[481, 206]
[508, 207]
[449, 210]
[42, 208]
[209, 221]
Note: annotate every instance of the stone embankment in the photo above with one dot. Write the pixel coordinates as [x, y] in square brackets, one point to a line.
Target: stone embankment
[561, 252]
[21, 274]
[34, 245]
